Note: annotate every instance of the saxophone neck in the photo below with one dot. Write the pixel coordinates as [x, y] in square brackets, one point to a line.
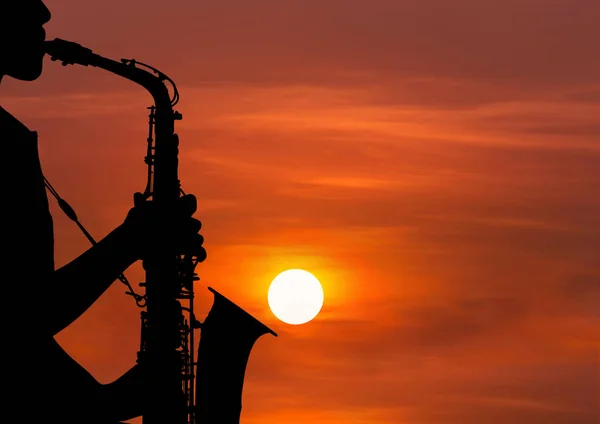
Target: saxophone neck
[150, 78]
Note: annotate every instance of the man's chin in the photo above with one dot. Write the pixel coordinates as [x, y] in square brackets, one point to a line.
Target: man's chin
[26, 73]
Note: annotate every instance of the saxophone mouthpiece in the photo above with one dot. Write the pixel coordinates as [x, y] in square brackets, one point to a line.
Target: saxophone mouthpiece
[68, 52]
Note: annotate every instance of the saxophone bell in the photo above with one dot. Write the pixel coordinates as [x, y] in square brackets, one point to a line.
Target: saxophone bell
[227, 337]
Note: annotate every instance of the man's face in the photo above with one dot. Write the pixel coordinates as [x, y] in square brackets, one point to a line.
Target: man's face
[22, 38]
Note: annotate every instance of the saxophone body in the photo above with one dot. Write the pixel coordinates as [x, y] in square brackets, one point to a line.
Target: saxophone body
[167, 329]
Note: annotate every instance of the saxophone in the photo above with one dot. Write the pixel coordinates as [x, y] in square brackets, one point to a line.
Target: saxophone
[176, 394]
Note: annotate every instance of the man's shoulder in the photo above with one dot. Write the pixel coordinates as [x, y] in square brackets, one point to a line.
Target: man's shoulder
[10, 124]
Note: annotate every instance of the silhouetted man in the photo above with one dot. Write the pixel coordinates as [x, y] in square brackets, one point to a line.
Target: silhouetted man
[40, 382]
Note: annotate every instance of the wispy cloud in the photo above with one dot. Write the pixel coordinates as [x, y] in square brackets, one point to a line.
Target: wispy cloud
[434, 164]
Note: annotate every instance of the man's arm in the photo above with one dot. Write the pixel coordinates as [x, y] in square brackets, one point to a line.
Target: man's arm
[78, 284]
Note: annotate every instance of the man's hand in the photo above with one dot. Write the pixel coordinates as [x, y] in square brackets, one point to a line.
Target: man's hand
[179, 231]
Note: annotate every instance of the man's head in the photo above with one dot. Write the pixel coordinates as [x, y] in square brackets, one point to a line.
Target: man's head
[22, 38]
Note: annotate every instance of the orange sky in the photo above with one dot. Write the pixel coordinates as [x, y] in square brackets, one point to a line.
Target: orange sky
[435, 164]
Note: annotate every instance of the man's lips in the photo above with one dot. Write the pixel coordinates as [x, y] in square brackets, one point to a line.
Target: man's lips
[30, 36]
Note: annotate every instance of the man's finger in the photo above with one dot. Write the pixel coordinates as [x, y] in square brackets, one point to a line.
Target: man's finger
[188, 204]
[195, 225]
[200, 253]
[194, 247]
[138, 199]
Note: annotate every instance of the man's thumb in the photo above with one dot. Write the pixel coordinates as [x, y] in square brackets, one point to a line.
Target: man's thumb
[138, 199]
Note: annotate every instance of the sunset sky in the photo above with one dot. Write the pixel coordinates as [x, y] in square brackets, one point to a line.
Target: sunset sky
[435, 163]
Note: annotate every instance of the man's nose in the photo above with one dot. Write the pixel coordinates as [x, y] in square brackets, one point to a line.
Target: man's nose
[45, 14]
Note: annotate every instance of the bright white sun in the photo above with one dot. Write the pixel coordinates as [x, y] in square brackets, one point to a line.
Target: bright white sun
[295, 296]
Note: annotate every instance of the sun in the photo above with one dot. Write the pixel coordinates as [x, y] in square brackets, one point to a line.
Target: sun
[295, 296]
